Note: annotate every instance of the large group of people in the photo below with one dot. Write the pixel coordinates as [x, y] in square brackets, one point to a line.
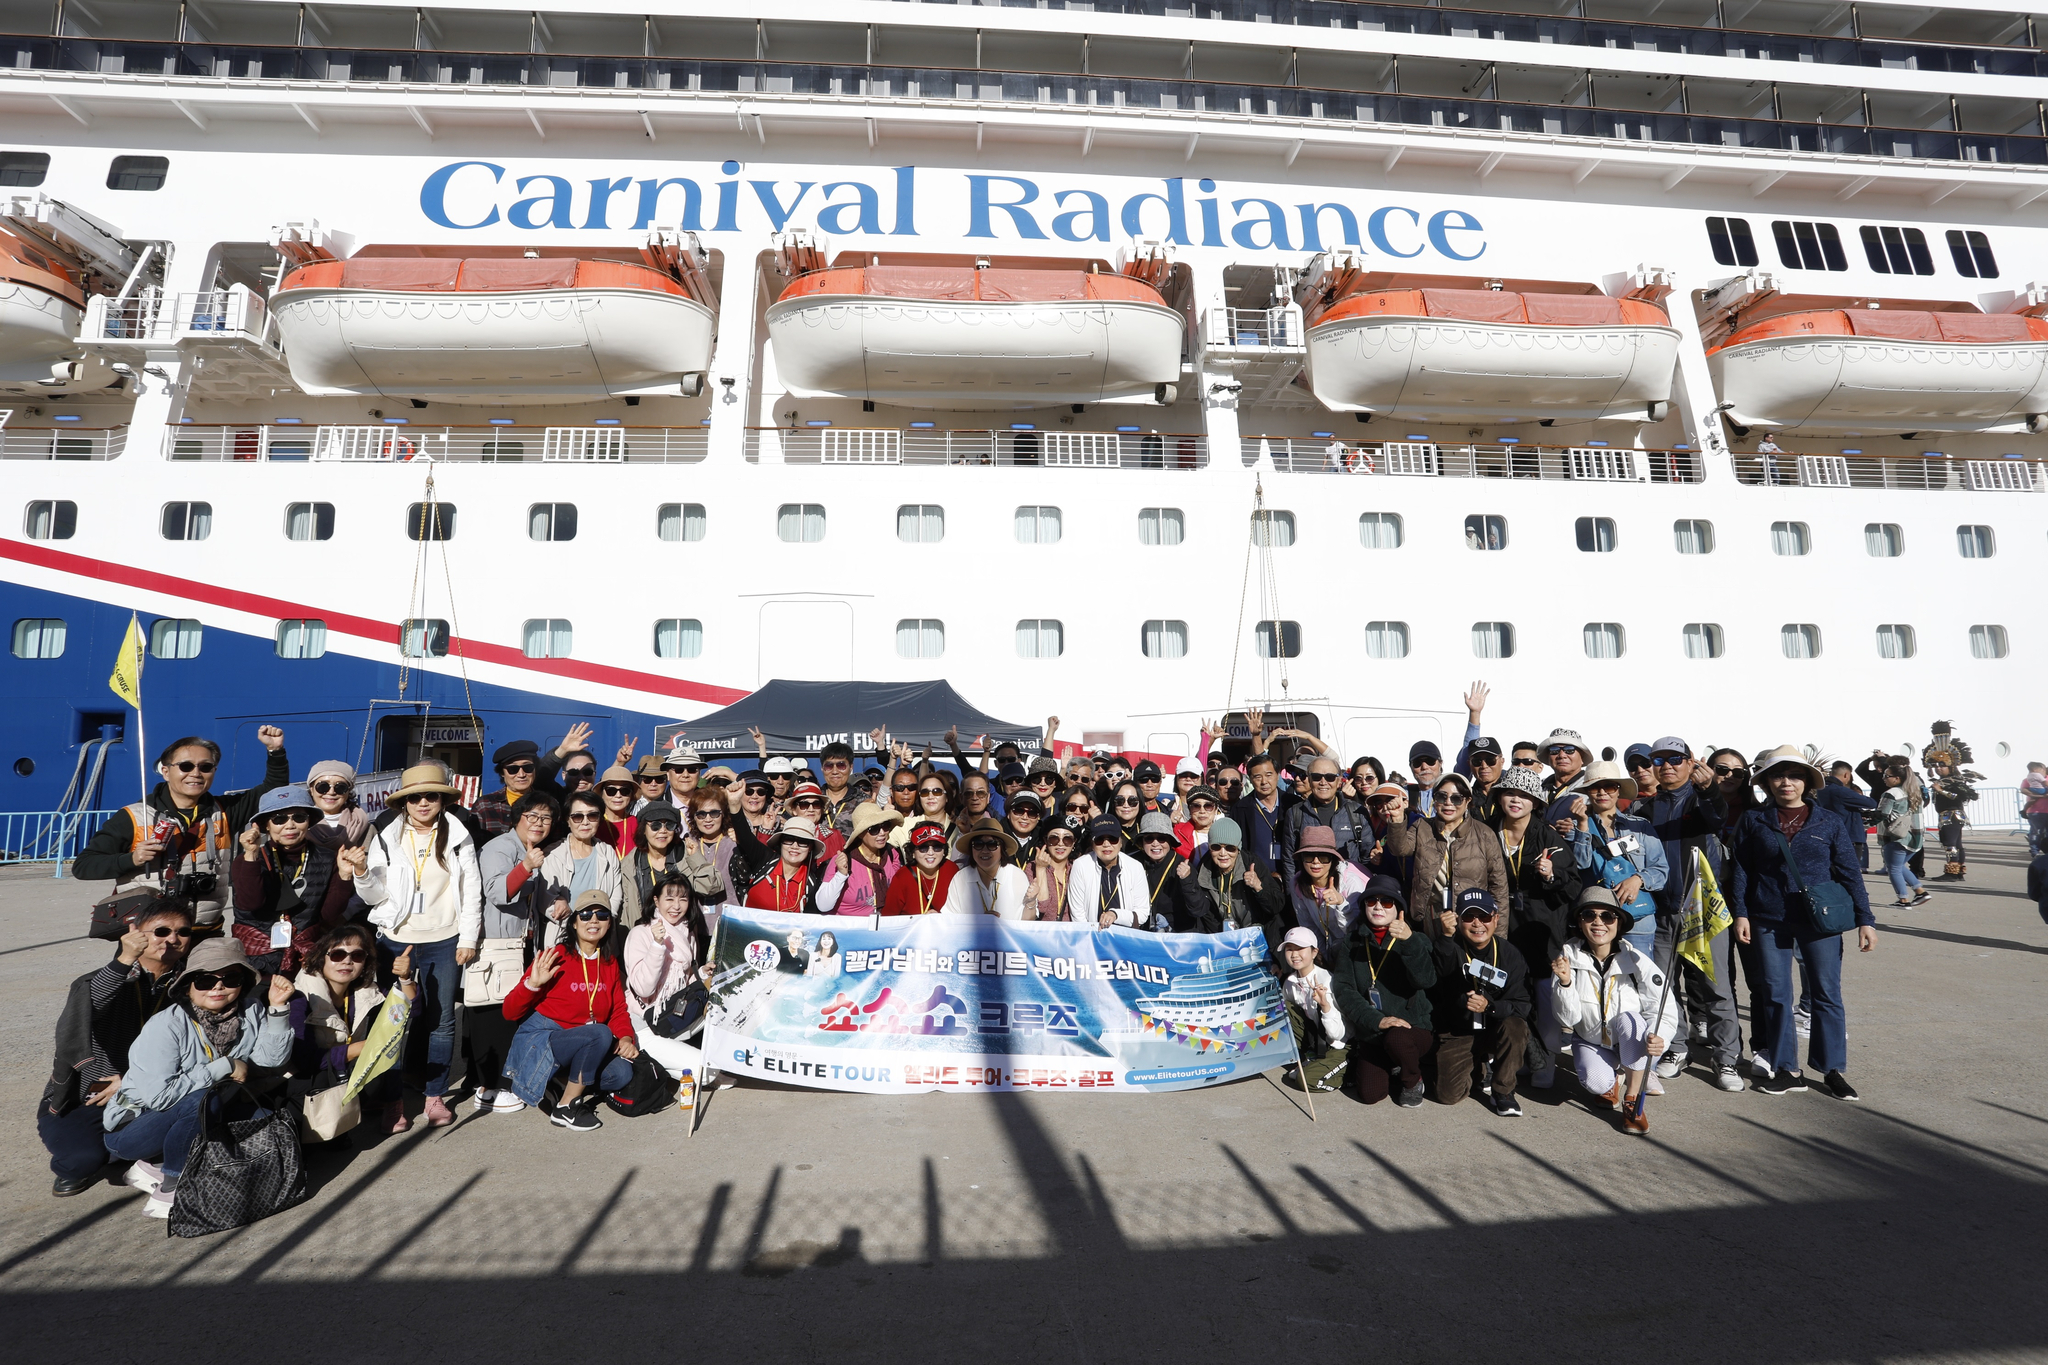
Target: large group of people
[1506, 922]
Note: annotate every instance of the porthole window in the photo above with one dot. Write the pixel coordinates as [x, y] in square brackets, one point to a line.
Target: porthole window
[50, 520]
[1790, 538]
[301, 639]
[23, 170]
[1164, 639]
[920, 638]
[430, 521]
[1041, 639]
[1493, 640]
[1703, 640]
[1976, 542]
[680, 521]
[1799, 641]
[1693, 537]
[1595, 535]
[1386, 639]
[39, 637]
[800, 523]
[549, 638]
[1380, 530]
[551, 521]
[1279, 639]
[1987, 642]
[1038, 525]
[138, 172]
[920, 523]
[1486, 533]
[1161, 526]
[309, 521]
[1883, 539]
[1273, 530]
[678, 637]
[422, 637]
[175, 639]
[1604, 640]
[186, 520]
[1896, 642]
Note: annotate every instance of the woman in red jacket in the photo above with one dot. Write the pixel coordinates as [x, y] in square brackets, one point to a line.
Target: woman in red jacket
[573, 1014]
[920, 889]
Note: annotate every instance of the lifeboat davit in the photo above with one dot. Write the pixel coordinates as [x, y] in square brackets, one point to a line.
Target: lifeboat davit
[1453, 349]
[495, 330]
[958, 334]
[1885, 369]
[41, 309]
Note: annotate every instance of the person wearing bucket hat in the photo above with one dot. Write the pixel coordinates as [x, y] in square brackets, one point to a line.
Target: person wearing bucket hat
[652, 781]
[618, 789]
[802, 879]
[289, 890]
[1238, 896]
[1614, 849]
[989, 884]
[1166, 880]
[1543, 882]
[872, 862]
[1792, 870]
[1610, 996]
[1323, 893]
[1382, 974]
[1321, 1038]
[1108, 888]
[217, 1024]
[424, 887]
[1567, 756]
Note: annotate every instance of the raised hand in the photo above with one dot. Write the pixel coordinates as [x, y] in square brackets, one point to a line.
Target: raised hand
[534, 857]
[1251, 875]
[578, 737]
[544, 968]
[1052, 727]
[133, 944]
[1448, 921]
[251, 840]
[351, 862]
[1475, 701]
[280, 989]
[760, 740]
[401, 966]
[952, 737]
[625, 755]
[1561, 969]
[1400, 929]
[272, 737]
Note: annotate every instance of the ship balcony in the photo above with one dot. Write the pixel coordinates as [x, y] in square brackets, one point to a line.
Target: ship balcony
[1435, 460]
[1261, 348]
[407, 444]
[1932, 472]
[60, 442]
[1014, 447]
[226, 338]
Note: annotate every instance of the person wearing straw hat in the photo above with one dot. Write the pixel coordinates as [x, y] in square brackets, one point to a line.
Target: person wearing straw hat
[1614, 849]
[652, 781]
[990, 884]
[872, 862]
[421, 880]
[1776, 857]
[801, 879]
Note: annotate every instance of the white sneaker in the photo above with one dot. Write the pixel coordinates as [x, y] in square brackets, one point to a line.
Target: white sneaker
[1671, 1064]
[158, 1205]
[1728, 1078]
[1760, 1068]
[144, 1176]
[1803, 1022]
[498, 1102]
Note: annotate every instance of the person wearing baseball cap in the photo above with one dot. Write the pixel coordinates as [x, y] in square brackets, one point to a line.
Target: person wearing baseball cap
[1320, 1034]
[1023, 816]
[1382, 975]
[1483, 760]
[781, 775]
[921, 888]
[1426, 761]
[1481, 1004]
[1108, 889]
[1635, 761]
[1148, 776]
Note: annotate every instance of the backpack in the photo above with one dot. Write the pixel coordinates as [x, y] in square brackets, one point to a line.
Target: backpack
[650, 1091]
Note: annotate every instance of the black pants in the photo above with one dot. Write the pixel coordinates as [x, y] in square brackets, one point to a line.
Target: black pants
[1952, 840]
[490, 1038]
[1374, 1059]
[1499, 1047]
[77, 1141]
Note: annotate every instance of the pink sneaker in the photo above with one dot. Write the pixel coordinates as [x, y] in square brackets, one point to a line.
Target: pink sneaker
[437, 1113]
[395, 1120]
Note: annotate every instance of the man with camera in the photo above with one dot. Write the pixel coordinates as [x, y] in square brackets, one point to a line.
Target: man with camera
[1481, 1004]
[183, 835]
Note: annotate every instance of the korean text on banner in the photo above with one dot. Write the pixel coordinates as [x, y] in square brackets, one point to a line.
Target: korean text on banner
[972, 1002]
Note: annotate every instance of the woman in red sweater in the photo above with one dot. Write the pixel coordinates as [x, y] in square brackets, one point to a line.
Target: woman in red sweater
[573, 1014]
[920, 889]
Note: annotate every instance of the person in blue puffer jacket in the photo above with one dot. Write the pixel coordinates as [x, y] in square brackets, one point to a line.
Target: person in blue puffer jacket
[1612, 849]
[1772, 927]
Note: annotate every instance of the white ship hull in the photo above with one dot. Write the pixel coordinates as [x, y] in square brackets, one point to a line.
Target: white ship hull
[938, 354]
[1450, 370]
[1871, 385]
[510, 348]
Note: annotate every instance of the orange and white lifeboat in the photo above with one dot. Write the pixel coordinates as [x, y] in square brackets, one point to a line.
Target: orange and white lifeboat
[42, 306]
[398, 323]
[936, 332]
[1883, 369]
[1449, 349]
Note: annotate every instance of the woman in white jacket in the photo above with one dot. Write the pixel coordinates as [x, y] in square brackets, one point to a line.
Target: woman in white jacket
[1108, 888]
[582, 862]
[990, 884]
[1606, 989]
[426, 896]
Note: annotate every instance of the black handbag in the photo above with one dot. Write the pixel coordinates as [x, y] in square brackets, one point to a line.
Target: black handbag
[240, 1171]
[1827, 907]
[650, 1091]
[683, 1016]
[114, 915]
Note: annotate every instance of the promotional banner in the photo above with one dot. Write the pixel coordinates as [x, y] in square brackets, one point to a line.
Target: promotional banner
[975, 1003]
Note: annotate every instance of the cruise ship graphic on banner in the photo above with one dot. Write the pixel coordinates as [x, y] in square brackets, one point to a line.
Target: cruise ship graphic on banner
[424, 377]
[1234, 992]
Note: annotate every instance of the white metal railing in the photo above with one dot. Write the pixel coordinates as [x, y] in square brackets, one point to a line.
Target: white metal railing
[583, 445]
[1324, 455]
[62, 443]
[150, 316]
[1999, 476]
[1907, 473]
[990, 447]
[401, 444]
[1237, 328]
[1823, 471]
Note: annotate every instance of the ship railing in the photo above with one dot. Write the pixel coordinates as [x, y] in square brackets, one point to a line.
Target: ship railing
[150, 316]
[1034, 449]
[1232, 329]
[335, 444]
[1912, 473]
[140, 318]
[1430, 459]
[62, 443]
[47, 836]
[216, 61]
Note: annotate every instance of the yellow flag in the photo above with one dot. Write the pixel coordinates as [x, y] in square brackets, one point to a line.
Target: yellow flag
[127, 679]
[1704, 915]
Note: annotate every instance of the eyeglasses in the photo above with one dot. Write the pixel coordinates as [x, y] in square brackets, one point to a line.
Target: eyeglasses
[1450, 799]
[1106, 841]
[594, 913]
[576, 773]
[538, 817]
[1123, 801]
[1379, 903]
[910, 786]
[189, 766]
[1059, 840]
[1521, 762]
[166, 931]
[707, 814]
[1486, 760]
[1610, 788]
[1729, 772]
[334, 788]
[583, 817]
[931, 791]
[836, 764]
[1604, 916]
[984, 845]
[289, 817]
[758, 789]
[684, 768]
[1077, 808]
[513, 769]
[1156, 839]
[347, 955]
[417, 797]
[1561, 749]
[809, 803]
[1317, 858]
[646, 778]
[210, 981]
[1668, 760]
[617, 789]
[1322, 777]
[1201, 805]
[671, 826]
[1474, 912]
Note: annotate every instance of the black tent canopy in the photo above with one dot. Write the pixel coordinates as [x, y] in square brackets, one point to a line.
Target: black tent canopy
[803, 717]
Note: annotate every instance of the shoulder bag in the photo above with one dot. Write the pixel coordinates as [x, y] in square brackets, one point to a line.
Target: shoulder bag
[240, 1171]
[1827, 907]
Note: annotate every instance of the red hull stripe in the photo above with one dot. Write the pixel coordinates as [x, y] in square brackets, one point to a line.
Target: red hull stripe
[362, 627]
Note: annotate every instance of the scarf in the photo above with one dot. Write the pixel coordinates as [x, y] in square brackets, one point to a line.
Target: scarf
[221, 1030]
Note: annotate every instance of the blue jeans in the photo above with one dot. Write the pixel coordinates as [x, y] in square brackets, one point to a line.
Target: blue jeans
[1774, 1032]
[541, 1047]
[583, 1050]
[1895, 858]
[163, 1136]
[432, 1030]
[76, 1141]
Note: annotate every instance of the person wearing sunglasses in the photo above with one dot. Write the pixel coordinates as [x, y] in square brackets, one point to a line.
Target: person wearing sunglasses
[342, 822]
[709, 842]
[581, 862]
[1024, 819]
[1615, 849]
[872, 862]
[651, 781]
[216, 1025]
[1604, 991]
[1052, 867]
[934, 807]
[1480, 1005]
[683, 767]
[1567, 756]
[1447, 853]
[338, 1000]
[1225, 888]
[517, 899]
[183, 836]
[1381, 974]
[656, 854]
[1738, 792]
[1109, 888]
[1527, 753]
[1167, 881]
[426, 896]
[807, 799]
[618, 790]
[1325, 889]
[1325, 806]
[571, 766]
[518, 766]
[575, 1017]
[1126, 806]
[103, 1013]
[1201, 808]
[289, 889]
[805, 878]
[1043, 778]
[989, 883]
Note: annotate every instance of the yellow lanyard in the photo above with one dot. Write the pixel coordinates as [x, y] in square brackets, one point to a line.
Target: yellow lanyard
[924, 899]
[589, 995]
[204, 1046]
[419, 861]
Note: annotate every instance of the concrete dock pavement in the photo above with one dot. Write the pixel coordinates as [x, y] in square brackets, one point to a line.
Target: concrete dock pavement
[1187, 1227]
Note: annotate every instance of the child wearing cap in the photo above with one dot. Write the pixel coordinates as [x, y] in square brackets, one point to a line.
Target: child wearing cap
[1319, 1030]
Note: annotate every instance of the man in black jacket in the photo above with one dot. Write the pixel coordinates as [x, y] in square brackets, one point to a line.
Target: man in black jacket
[1841, 795]
[1480, 1004]
[1327, 806]
[1261, 814]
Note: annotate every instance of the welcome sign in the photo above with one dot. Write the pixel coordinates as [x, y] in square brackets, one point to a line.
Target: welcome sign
[977, 1003]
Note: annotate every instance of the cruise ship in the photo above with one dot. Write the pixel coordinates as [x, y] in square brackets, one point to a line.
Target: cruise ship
[422, 377]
